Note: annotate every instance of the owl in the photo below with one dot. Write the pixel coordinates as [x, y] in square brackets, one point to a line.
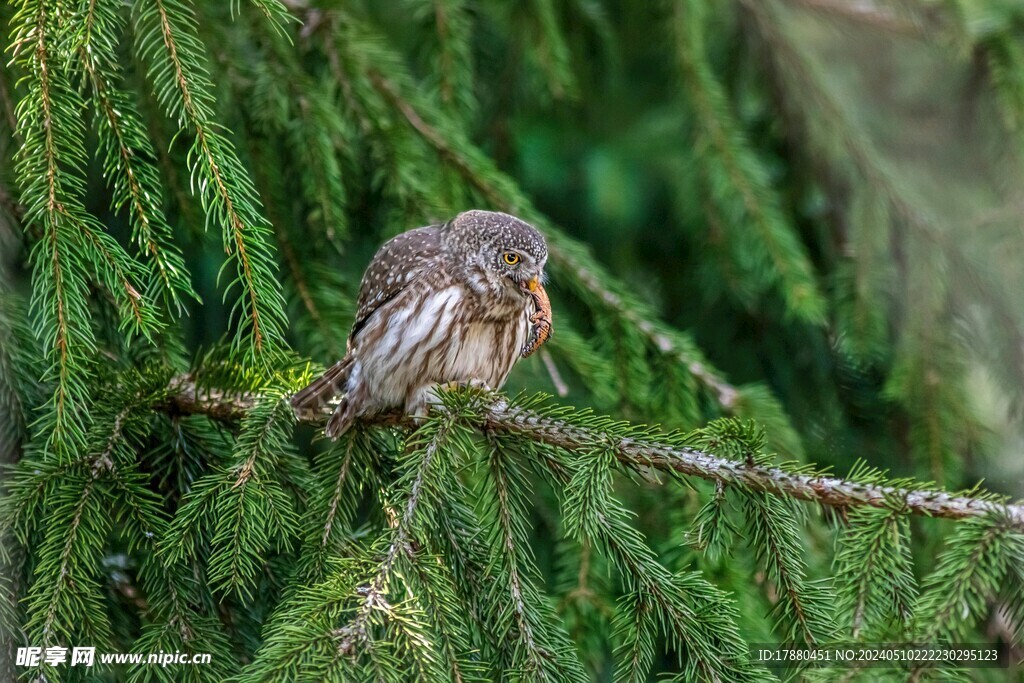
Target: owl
[445, 304]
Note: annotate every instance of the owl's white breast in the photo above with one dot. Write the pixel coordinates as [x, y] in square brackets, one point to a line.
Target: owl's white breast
[435, 337]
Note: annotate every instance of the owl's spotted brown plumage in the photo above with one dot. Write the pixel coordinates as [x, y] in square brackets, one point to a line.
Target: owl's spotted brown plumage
[442, 304]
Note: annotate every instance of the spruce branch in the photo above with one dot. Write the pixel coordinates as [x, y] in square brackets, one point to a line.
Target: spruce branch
[346, 472]
[762, 242]
[127, 152]
[448, 141]
[460, 540]
[979, 559]
[540, 649]
[168, 41]
[803, 609]
[59, 300]
[364, 612]
[270, 187]
[356, 631]
[446, 618]
[291, 106]
[244, 509]
[13, 404]
[65, 595]
[49, 617]
[874, 572]
[453, 30]
[339, 487]
[696, 618]
[662, 453]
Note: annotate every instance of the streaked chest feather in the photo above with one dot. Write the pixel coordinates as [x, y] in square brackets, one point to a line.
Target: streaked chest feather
[437, 337]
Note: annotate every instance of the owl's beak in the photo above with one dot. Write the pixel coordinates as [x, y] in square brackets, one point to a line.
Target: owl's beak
[532, 284]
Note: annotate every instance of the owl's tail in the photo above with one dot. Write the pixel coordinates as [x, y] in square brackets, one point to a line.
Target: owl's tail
[311, 401]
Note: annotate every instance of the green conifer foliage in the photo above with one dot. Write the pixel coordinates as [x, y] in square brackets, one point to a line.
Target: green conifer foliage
[784, 254]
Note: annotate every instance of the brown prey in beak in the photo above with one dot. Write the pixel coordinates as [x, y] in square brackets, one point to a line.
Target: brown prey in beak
[541, 319]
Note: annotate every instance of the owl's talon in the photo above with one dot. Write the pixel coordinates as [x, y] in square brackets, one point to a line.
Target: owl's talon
[470, 384]
[430, 395]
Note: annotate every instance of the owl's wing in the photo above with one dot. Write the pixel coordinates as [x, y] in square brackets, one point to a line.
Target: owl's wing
[400, 262]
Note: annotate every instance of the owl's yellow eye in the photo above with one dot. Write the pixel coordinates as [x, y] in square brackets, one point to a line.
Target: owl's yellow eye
[511, 258]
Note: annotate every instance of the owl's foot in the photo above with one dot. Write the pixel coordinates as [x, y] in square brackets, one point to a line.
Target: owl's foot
[420, 402]
[475, 384]
[471, 384]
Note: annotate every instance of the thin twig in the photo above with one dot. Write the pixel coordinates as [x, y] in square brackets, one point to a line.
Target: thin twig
[640, 454]
[561, 388]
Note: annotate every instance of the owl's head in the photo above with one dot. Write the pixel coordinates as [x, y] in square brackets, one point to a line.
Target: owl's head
[505, 251]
